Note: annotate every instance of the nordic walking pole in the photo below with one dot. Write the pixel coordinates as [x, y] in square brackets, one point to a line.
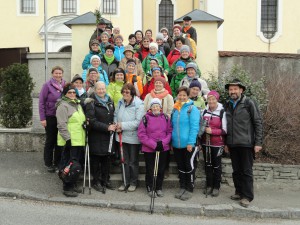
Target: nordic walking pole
[86, 159]
[208, 162]
[154, 182]
[122, 161]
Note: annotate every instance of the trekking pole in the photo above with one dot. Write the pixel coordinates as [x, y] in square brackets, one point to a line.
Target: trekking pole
[154, 182]
[87, 162]
[208, 162]
[123, 162]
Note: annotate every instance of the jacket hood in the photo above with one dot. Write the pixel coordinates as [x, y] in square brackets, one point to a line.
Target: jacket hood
[218, 109]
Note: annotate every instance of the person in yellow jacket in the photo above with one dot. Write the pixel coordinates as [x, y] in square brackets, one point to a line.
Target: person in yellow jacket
[71, 134]
[132, 78]
[118, 79]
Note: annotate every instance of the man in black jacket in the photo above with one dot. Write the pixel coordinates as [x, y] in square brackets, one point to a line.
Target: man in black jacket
[244, 139]
[187, 28]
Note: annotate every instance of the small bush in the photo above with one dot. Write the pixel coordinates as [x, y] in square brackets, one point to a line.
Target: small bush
[16, 101]
[255, 90]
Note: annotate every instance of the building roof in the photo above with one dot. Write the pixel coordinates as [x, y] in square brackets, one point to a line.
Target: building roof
[87, 18]
[199, 15]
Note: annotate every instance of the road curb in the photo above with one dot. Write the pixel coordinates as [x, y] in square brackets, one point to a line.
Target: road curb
[221, 210]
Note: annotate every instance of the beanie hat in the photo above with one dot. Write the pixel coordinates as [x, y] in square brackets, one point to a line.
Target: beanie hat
[192, 65]
[92, 69]
[130, 61]
[185, 48]
[153, 45]
[161, 79]
[156, 68]
[95, 57]
[67, 87]
[105, 33]
[195, 83]
[177, 26]
[164, 29]
[154, 59]
[94, 41]
[159, 36]
[180, 63]
[214, 93]
[111, 47]
[128, 48]
[77, 77]
[155, 101]
[118, 36]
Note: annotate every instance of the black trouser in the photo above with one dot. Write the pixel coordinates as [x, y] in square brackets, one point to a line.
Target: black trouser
[213, 168]
[73, 153]
[131, 157]
[242, 162]
[100, 165]
[51, 143]
[185, 164]
[150, 161]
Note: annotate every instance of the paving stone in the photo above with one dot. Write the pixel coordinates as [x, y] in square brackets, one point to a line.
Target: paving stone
[222, 210]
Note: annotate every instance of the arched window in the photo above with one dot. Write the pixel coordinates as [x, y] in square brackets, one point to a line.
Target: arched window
[269, 18]
[66, 49]
[166, 14]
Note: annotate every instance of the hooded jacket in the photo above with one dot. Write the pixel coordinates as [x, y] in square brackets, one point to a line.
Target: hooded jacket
[218, 126]
[70, 117]
[162, 61]
[130, 117]
[185, 125]
[158, 128]
[119, 52]
[114, 91]
[86, 62]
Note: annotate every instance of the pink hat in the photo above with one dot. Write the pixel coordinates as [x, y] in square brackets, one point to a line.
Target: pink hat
[177, 26]
[214, 93]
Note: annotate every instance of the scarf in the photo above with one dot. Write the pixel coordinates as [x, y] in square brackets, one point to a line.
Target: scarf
[80, 91]
[186, 28]
[102, 101]
[109, 60]
[159, 94]
[58, 86]
[165, 39]
[178, 105]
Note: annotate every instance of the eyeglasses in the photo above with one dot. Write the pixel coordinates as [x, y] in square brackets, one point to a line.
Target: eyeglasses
[125, 92]
[71, 92]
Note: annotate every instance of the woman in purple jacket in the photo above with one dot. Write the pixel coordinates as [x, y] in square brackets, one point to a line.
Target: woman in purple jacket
[155, 133]
[50, 93]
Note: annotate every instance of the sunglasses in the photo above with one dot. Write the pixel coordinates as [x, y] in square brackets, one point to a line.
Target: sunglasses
[71, 92]
[125, 92]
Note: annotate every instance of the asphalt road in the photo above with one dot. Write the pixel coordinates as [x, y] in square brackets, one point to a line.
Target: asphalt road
[26, 212]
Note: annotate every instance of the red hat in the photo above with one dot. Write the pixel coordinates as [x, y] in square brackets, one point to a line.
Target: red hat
[177, 26]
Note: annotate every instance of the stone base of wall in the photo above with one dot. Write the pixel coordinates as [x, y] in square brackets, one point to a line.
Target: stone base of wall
[21, 140]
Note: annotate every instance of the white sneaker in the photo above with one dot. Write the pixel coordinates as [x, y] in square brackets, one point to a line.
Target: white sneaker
[131, 188]
[121, 188]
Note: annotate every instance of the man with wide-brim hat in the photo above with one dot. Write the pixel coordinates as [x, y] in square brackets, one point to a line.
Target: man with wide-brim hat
[188, 29]
[244, 139]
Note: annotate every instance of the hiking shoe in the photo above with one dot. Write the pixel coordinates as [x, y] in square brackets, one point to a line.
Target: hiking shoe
[244, 202]
[235, 197]
[209, 190]
[159, 193]
[77, 189]
[167, 174]
[131, 188]
[121, 188]
[186, 196]
[109, 186]
[50, 169]
[179, 193]
[150, 194]
[70, 193]
[215, 192]
[98, 187]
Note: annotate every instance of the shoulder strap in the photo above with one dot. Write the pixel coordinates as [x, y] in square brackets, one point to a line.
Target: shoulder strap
[190, 109]
[145, 120]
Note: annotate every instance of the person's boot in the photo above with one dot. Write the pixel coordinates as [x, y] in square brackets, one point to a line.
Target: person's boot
[208, 190]
[244, 202]
[180, 193]
[215, 192]
[159, 193]
[235, 197]
[98, 187]
[186, 196]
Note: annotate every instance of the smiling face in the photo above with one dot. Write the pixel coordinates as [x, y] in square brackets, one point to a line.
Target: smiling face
[146, 43]
[191, 72]
[153, 50]
[128, 54]
[194, 92]
[78, 84]
[95, 47]
[156, 73]
[104, 38]
[71, 94]
[57, 75]
[119, 77]
[178, 44]
[96, 63]
[159, 41]
[212, 102]
[130, 68]
[119, 42]
[93, 76]
[148, 34]
[155, 109]
[153, 64]
[132, 41]
[158, 85]
[139, 36]
[126, 95]
[235, 92]
[185, 54]
[109, 52]
[176, 32]
[100, 89]
[164, 32]
[182, 96]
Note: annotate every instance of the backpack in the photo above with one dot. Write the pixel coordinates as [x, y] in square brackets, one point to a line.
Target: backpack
[145, 122]
[70, 173]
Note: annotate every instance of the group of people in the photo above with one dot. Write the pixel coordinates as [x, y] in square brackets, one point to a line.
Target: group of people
[134, 94]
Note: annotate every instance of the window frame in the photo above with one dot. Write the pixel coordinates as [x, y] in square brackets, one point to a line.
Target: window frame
[158, 2]
[278, 33]
[62, 7]
[117, 8]
[19, 9]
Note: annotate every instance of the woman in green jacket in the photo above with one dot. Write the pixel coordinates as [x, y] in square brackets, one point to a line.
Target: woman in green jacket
[70, 118]
[116, 84]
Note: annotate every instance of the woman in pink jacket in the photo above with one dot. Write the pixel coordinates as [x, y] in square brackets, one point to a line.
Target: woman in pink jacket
[155, 133]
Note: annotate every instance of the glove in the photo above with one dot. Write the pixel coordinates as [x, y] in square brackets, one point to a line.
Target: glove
[134, 79]
[88, 100]
[68, 143]
[159, 146]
